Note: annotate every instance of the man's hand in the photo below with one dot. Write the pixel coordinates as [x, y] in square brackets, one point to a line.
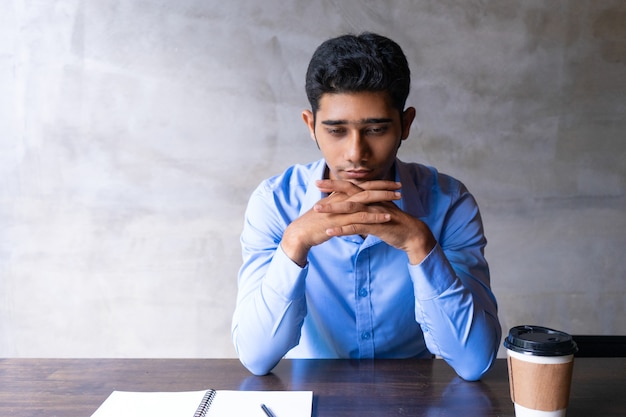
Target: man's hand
[311, 228]
[366, 208]
[402, 231]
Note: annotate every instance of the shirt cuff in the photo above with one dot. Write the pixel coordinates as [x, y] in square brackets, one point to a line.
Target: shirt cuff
[285, 277]
[433, 276]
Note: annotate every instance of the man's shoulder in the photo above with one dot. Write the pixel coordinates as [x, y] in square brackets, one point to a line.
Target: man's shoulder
[297, 175]
[284, 194]
[425, 177]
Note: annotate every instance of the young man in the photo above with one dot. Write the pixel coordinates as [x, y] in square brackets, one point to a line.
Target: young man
[360, 255]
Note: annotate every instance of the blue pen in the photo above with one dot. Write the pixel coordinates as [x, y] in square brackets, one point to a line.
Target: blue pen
[267, 411]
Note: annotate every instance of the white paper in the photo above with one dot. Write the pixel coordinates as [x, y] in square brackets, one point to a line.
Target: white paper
[226, 404]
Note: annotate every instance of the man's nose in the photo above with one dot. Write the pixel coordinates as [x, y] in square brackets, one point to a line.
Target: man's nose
[358, 149]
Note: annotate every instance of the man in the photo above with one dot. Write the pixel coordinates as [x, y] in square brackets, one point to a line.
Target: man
[360, 255]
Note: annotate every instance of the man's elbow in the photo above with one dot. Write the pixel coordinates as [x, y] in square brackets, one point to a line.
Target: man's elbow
[257, 362]
[257, 366]
[474, 367]
[469, 373]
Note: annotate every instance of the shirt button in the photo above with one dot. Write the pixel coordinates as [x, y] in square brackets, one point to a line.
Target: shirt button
[366, 335]
[362, 292]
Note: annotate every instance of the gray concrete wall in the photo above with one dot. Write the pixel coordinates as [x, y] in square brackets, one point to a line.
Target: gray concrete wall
[132, 133]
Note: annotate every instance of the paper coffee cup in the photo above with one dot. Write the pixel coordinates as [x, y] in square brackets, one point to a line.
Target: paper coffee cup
[540, 362]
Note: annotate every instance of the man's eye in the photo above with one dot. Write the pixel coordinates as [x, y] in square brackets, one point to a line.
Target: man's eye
[335, 131]
[376, 130]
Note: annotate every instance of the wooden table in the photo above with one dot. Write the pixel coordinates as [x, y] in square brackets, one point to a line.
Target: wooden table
[76, 387]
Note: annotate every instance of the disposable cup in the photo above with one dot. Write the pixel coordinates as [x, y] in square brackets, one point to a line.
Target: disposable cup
[540, 362]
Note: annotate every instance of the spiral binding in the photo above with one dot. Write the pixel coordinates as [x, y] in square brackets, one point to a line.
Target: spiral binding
[205, 404]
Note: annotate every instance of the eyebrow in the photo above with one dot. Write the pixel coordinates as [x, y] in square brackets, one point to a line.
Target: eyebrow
[371, 120]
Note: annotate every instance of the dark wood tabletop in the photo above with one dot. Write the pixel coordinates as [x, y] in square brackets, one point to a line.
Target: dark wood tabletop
[76, 387]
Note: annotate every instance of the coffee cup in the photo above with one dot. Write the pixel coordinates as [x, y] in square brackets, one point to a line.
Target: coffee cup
[540, 362]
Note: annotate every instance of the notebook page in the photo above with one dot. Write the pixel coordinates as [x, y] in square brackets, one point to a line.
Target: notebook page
[150, 404]
[248, 403]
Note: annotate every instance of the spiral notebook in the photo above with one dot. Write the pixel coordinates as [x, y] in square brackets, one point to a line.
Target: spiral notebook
[207, 403]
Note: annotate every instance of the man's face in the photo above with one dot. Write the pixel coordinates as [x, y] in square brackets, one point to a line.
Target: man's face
[359, 134]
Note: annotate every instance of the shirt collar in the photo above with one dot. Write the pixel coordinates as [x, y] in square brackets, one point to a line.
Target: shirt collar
[411, 202]
[313, 194]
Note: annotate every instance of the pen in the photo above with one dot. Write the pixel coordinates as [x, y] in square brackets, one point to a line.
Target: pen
[267, 411]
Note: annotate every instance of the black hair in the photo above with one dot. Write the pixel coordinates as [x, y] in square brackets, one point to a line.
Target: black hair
[357, 63]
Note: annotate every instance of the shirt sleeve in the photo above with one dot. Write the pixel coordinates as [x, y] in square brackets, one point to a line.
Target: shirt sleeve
[453, 300]
[271, 303]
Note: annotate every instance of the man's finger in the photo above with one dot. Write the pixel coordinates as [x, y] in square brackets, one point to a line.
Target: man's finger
[340, 186]
[375, 196]
[380, 185]
[360, 226]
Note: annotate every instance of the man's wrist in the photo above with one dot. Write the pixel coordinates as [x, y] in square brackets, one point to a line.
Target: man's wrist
[294, 249]
[419, 251]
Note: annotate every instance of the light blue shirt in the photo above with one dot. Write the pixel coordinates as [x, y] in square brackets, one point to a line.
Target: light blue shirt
[361, 298]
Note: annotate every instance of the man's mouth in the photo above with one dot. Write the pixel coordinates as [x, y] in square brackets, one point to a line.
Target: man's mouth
[357, 174]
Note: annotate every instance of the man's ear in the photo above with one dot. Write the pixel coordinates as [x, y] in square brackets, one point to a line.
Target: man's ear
[407, 119]
[309, 120]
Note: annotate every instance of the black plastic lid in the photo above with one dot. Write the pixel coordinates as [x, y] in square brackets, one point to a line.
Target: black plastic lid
[540, 341]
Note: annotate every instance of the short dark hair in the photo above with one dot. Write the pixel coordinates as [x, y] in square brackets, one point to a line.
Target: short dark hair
[356, 63]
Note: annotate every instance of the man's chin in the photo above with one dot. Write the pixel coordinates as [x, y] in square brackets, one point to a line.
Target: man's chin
[355, 178]
[357, 182]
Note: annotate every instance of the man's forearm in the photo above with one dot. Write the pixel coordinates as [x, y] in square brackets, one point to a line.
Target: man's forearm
[269, 316]
[458, 317]
[468, 339]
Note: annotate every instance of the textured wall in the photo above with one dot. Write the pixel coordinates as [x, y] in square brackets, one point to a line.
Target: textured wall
[132, 133]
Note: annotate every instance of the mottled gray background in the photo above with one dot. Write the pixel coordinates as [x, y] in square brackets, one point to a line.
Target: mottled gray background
[133, 132]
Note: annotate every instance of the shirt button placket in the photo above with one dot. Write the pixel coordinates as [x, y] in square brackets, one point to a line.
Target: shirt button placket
[363, 311]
